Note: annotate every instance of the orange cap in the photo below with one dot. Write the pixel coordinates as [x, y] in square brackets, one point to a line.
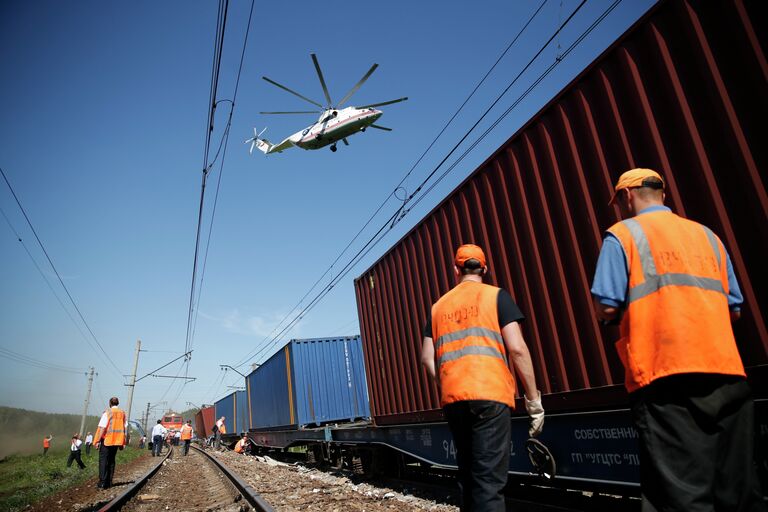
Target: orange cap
[468, 252]
[634, 178]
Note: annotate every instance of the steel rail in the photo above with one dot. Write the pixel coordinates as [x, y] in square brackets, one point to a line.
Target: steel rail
[248, 492]
[123, 498]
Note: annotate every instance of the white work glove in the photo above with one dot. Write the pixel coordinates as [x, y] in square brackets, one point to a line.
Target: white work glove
[536, 413]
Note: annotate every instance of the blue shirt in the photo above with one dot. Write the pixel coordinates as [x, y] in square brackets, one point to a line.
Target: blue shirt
[612, 275]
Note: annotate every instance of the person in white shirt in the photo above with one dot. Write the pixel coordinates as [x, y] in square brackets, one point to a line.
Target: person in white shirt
[74, 452]
[221, 428]
[158, 435]
[176, 438]
[88, 443]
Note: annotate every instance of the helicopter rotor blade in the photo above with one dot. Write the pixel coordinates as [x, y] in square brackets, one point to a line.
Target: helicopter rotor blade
[295, 112]
[381, 127]
[262, 131]
[291, 91]
[384, 103]
[253, 143]
[357, 85]
[322, 80]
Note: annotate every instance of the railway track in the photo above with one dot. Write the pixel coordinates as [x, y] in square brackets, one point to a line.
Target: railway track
[195, 482]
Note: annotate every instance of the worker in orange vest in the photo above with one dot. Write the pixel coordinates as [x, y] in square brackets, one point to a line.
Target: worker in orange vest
[242, 443]
[669, 282]
[110, 436]
[47, 443]
[186, 436]
[469, 340]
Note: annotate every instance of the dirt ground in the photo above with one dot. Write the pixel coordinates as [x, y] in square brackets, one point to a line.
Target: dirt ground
[87, 497]
[289, 487]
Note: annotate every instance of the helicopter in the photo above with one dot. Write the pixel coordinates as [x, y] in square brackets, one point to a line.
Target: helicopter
[334, 124]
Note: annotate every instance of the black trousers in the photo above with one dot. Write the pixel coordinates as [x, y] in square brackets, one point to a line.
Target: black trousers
[75, 456]
[481, 431]
[88, 448]
[157, 445]
[697, 444]
[107, 456]
[186, 446]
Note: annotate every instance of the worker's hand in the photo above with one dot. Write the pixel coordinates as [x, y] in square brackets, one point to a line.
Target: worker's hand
[536, 413]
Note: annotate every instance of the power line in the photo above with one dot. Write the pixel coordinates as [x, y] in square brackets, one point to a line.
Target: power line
[47, 281]
[218, 49]
[381, 232]
[30, 361]
[57, 274]
[399, 185]
[192, 316]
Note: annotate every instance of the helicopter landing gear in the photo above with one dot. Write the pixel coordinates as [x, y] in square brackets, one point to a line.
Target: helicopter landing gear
[333, 148]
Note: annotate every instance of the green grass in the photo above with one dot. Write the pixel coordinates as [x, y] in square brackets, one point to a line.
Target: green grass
[25, 479]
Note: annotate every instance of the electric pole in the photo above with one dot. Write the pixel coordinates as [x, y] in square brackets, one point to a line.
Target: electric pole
[146, 419]
[132, 385]
[87, 399]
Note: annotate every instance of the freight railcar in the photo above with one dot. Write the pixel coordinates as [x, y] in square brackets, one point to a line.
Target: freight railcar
[682, 91]
[308, 383]
[204, 419]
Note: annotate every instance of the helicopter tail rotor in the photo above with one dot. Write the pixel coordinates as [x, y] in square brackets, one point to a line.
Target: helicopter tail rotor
[256, 140]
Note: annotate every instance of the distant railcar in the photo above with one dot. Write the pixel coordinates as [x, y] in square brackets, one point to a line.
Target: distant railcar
[172, 421]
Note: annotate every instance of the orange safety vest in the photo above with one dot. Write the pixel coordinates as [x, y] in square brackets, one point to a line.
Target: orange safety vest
[240, 446]
[46, 442]
[469, 349]
[677, 318]
[114, 433]
[223, 429]
[186, 432]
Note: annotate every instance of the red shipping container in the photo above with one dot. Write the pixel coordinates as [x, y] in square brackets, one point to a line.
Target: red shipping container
[204, 422]
[683, 92]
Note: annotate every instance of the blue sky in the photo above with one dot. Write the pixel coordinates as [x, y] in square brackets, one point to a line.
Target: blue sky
[102, 133]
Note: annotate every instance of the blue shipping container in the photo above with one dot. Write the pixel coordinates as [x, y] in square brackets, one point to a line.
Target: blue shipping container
[242, 418]
[226, 407]
[310, 382]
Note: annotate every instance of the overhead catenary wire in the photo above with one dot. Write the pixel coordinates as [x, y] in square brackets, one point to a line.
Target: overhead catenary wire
[386, 227]
[405, 177]
[194, 302]
[61, 281]
[218, 49]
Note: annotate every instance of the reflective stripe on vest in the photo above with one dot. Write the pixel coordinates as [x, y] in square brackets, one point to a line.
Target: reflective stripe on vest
[481, 350]
[676, 319]
[469, 348]
[653, 281]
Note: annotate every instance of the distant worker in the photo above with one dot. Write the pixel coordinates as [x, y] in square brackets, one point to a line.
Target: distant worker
[221, 429]
[176, 437]
[88, 443]
[74, 452]
[186, 436]
[47, 443]
[158, 437]
[471, 332]
[670, 284]
[142, 440]
[110, 437]
[242, 443]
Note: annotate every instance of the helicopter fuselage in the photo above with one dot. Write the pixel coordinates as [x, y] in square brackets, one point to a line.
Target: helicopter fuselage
[335, 125]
